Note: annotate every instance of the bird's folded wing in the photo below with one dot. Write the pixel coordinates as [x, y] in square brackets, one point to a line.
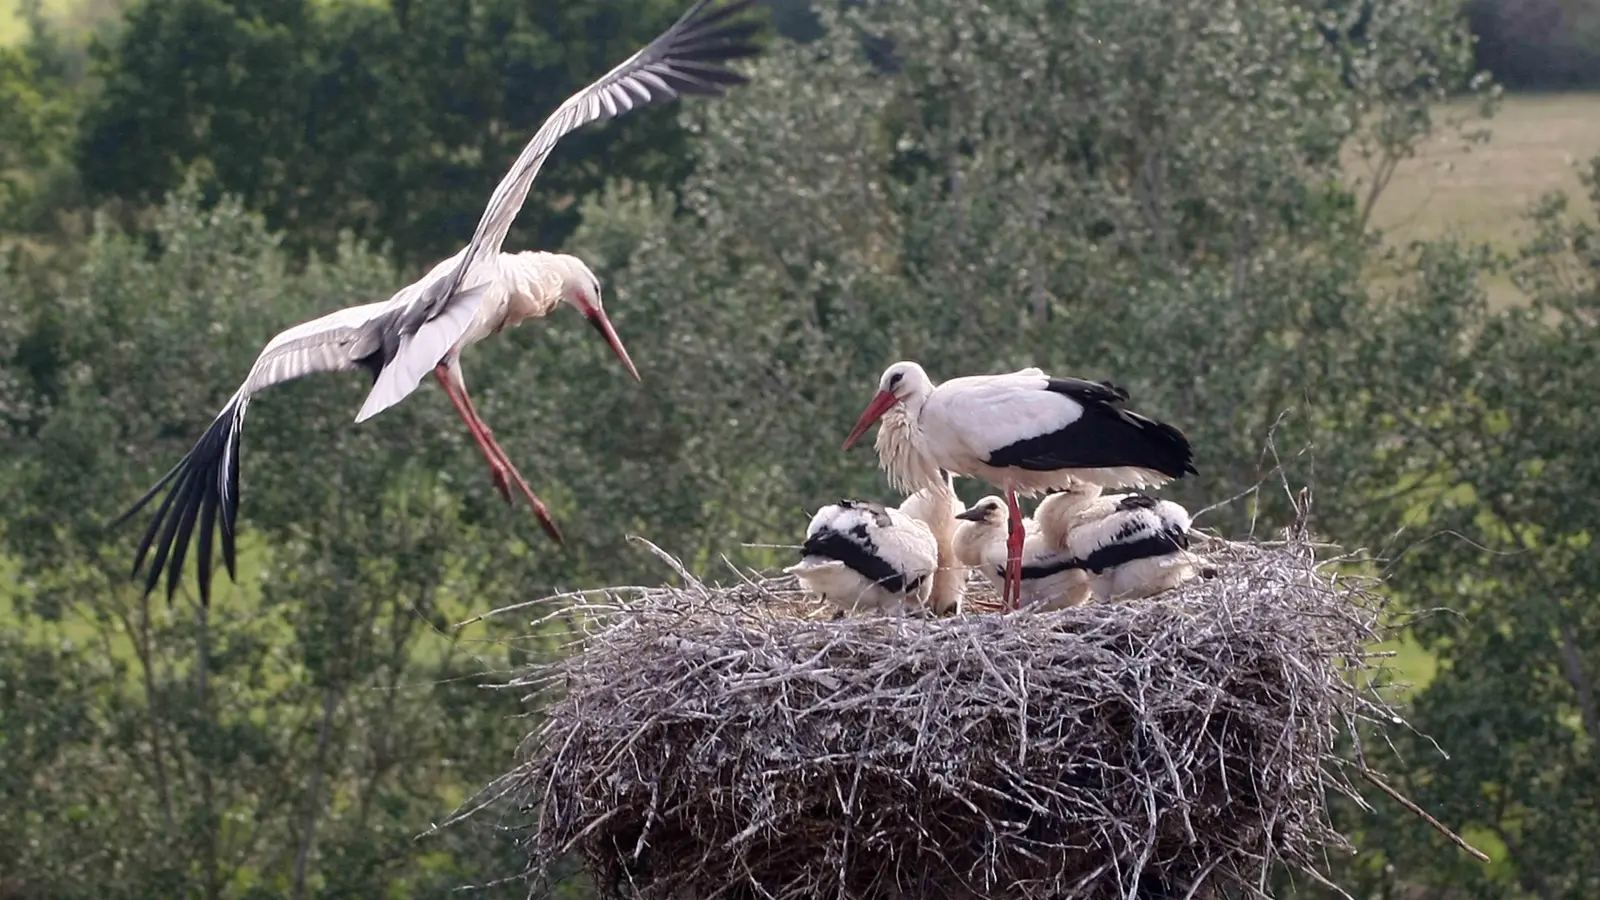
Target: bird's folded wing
[1006, 414]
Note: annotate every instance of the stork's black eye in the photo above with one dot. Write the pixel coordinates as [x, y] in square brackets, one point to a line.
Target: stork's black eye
[895, 378]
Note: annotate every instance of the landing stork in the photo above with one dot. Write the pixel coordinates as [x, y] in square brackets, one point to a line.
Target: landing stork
[424, 327]
[1025, 432]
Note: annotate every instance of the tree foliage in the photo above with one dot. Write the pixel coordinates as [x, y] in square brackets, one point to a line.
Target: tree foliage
[1485, 493]
[1539, 44]
[36, 119]
[298, 736]
[1165, 208]
[392, 120]
[1149, 191]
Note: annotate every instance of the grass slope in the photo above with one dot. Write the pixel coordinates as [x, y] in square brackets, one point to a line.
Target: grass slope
[1539, 143]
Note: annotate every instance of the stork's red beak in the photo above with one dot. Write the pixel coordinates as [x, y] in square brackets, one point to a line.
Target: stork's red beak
[597, 318]
[875, 410]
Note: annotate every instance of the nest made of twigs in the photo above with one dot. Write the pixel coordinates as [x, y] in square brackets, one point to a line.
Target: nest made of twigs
[717, 742]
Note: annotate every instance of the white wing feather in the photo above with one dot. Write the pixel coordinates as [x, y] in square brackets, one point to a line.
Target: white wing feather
[685, 59]
[420, 352]
[331, 343]
[982, 413]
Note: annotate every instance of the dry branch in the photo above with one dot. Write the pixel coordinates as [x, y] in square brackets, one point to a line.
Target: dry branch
[720, 742]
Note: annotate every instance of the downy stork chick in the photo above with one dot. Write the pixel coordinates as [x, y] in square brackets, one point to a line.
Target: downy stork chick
[937, 508]
[1051, 577]
[1138, 548]
[1024, 432]
[860, 556]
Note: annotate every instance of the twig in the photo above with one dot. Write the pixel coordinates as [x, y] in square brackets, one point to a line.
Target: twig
[1416, 810]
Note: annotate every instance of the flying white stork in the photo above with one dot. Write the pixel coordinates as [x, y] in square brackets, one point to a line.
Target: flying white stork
[1024, 432]
[424, 327]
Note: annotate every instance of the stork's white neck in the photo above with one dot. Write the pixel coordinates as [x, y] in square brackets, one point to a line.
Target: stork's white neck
[534, 282]
[972, 540]
[902, 453]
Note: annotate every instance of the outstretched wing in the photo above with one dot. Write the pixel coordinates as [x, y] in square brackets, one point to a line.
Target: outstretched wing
[686, 59]
[205, 483]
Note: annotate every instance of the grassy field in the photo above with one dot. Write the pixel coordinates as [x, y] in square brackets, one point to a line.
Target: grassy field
[1539, 143]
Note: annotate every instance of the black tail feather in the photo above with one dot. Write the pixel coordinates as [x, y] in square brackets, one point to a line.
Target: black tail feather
[198, 489]
[188, 511]
[208, 519]
[230, 510]
[173, 507]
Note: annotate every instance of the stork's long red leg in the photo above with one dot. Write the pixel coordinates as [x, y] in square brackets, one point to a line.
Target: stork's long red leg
[500, 466]
[1014, 542]
[546, 521]
[496, 466]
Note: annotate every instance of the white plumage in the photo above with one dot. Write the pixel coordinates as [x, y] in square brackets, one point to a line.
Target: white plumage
[937, 507]
[1117, 547]
[1046, 585]
[933, 505]
[1132, 545]
[1024, 432]
[860, 556]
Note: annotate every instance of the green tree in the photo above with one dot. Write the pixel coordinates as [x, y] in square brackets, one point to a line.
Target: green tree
[296, 738]
[1145, 191]
[1483, 496]
[394, 121]
[1149, 192]
[36, 120]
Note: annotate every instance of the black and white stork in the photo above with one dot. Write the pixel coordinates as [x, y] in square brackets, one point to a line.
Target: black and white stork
[1131, 546]
[1025, 432]
[863, 556]
[425, 326]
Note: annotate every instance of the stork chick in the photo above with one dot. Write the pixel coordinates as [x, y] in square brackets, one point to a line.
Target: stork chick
[1052, 577]
[1137, 547]
[937, 507]
[860, 556]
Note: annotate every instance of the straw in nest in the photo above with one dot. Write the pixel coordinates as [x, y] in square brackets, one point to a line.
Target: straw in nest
[709, 742]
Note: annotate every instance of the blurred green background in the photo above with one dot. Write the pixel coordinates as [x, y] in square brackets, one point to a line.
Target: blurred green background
[1363, 229]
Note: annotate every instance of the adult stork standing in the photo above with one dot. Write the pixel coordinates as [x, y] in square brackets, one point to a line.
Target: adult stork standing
[462, 300]
[1024, 432]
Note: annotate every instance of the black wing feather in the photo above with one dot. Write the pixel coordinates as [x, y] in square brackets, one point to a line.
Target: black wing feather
[859, 553]
[1106, 436]
[1110, 556]
[195, 494]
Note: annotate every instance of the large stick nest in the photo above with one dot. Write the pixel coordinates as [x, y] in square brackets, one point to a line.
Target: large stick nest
[711, 742]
